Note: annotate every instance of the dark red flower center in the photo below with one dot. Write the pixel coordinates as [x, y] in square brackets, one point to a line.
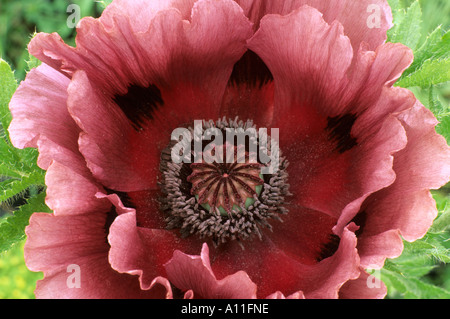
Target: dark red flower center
[223, 192]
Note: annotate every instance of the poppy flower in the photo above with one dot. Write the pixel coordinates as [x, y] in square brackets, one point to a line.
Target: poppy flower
[357, 156]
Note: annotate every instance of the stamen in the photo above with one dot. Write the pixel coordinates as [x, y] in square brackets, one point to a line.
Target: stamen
[222, 201]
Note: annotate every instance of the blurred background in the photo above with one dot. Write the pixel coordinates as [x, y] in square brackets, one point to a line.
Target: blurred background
[20, 19]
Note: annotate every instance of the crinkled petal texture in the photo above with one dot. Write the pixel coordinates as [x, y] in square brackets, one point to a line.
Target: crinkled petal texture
[362, 154]
[70, 245]
[357, 17]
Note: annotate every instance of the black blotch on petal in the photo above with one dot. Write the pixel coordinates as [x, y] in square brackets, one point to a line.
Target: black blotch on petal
[139, 103]
[250, 70]
[339, 130]
[329, 248]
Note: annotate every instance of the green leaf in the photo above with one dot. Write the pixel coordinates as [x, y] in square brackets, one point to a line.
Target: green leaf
[412, 265]
[442, 222]
[408, 275]
[407, 25]
[442, 48]
[431, 72]
[32, 62]
[15, 162]
[12, 228]
[411, 287]
[435, 104]
[10, 189]
[396, 6]
[431, 62]
[8, 85]
[431, 246]
[436, 46]
[105, 3]
[433, 97]
[444, 127]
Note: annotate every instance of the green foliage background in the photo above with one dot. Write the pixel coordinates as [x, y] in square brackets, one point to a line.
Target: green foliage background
[423, 270]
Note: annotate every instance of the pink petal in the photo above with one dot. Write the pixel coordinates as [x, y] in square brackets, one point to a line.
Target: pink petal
[279, 269]
[40, 117]
[279, 295]
[311, 96]
[195, 273]
[142, 11]
[353, 15]
[69, 193]
[214, 40]
[195, 62]
[325, 280]
[47, 229]
[366, 286]
[322, 76]
[117, 203]
[397, 56]
[56, 243]
[107, 140]
[50, 151]
[371, 76]
[165, 283]
[374, 162]
[407, 204]
[423, 140]
[330, 182]
[312, 55]
[129, 254]
[130, 247]
[202, 54]
[51, 49]
[376, 248]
